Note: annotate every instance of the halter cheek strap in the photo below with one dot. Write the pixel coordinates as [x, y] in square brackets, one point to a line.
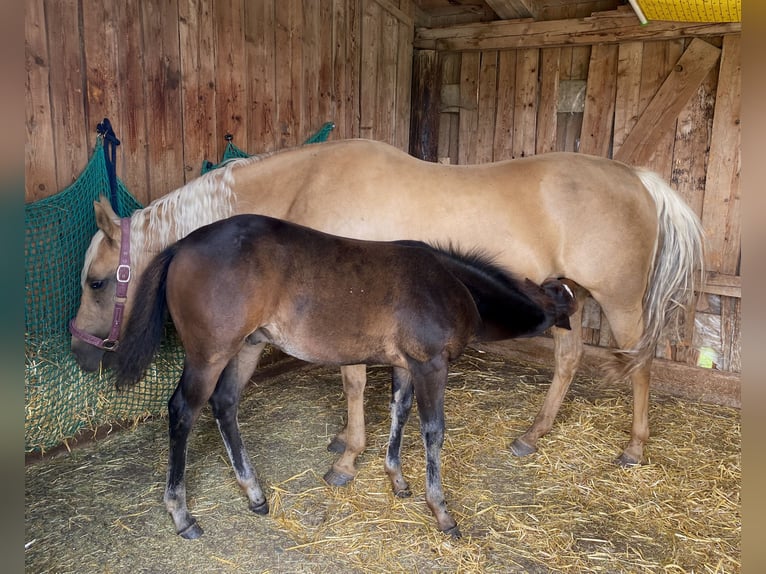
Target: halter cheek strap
[120, 296]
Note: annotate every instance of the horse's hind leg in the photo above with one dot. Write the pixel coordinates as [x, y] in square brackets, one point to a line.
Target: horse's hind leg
[193, 390]
[351, 440]
[626, 324]
[224, 403]
[568, 350]
[401, 404]
[430, 384]
[639, 434]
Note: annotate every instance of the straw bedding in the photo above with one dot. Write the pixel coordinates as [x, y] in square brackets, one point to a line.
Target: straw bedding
[567, 508]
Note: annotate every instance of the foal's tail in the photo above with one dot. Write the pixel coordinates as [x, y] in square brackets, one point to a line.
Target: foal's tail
[145, 326]
[678, 271]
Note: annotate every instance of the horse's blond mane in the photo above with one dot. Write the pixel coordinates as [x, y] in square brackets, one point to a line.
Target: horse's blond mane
[167, 219]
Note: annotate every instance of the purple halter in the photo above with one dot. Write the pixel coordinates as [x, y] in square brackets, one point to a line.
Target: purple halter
[120, 296]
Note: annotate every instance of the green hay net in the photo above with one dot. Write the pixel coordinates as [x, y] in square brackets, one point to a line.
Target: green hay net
[60, 398]
[233, 152]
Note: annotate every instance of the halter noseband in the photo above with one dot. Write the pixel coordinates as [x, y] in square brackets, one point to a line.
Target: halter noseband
[120, 296]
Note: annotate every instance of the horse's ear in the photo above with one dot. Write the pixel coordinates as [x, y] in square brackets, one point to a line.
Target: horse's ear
[106, 219]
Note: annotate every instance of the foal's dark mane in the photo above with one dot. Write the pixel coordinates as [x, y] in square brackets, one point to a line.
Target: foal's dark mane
[508, 306]
[474, 260]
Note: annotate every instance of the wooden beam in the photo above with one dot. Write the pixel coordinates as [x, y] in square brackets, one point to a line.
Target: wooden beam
[598, 115]
[721, 207]
[685, 381]
[721, 284]
[510, 9]
[426, 89]
[660, 114]
[602, 28]
[71, 134]
[469, 107]
[525, 101]
[403, 17]
[547, 108]
[39, 167]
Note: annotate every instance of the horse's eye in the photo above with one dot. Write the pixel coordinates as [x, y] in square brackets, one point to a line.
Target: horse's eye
[97, 284]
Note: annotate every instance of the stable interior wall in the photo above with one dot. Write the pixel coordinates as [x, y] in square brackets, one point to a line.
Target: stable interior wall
[175, 77]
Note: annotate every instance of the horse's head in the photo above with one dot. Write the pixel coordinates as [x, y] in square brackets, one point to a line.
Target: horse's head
[92, 328]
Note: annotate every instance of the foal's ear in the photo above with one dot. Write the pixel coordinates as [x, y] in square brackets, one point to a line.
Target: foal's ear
[106, 219]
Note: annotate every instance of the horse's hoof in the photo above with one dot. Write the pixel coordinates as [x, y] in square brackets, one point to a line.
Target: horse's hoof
[334, 478]
[520, 448]
[626, 461]
[403, 492]
[262, 508]
[337, 446]
[453, 531]
[192, 531]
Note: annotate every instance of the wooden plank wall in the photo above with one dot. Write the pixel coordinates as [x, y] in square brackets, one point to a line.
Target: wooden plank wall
[175, 76]
[499, 104]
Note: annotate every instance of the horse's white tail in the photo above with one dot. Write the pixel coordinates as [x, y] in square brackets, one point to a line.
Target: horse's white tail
[678, 270]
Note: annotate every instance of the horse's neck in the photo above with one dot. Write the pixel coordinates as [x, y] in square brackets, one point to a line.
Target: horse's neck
[166, 220]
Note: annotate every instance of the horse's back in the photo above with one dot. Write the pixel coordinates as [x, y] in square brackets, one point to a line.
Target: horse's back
[543, 215]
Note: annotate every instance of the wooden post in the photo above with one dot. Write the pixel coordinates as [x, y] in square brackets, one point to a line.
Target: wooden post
[426, 90]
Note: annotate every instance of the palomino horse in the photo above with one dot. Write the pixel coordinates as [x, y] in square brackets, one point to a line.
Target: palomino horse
[619, 233]
[237, 284]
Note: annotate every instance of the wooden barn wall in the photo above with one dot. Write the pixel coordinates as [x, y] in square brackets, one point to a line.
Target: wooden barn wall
[592, 97]
[175, 76]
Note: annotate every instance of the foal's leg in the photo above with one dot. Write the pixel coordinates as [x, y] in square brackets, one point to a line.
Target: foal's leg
[401, 404]
[191, 394]
[568, 350]
[351, 440]
[430, 383]
[224, 403]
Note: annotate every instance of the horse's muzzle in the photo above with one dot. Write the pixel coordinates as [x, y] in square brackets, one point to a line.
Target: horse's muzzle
[87, 356]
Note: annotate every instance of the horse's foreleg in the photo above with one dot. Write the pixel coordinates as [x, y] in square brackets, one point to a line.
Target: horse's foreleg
[351, 440]
[224, 403]
[401, 404]
[429, 393]
[354, 378]
[183, 410]
[567, 354]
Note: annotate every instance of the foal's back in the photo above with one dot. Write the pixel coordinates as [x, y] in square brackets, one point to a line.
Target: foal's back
[318, 297]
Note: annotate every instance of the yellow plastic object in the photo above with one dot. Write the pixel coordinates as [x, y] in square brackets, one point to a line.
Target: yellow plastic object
[692, 10]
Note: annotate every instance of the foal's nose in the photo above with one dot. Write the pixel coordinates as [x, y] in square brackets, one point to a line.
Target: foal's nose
[562, 291]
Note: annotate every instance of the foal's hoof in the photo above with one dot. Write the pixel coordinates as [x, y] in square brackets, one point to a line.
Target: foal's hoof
[192, 531]
[404, 492]
[337, 446]
[626, 461]
[520, 448]
[334, 478]
[262, 508]
[453, 531]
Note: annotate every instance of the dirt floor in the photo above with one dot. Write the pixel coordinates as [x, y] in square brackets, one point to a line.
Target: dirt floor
[567, 508]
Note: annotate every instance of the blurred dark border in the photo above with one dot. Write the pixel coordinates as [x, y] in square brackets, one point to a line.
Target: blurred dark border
[753, 178]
